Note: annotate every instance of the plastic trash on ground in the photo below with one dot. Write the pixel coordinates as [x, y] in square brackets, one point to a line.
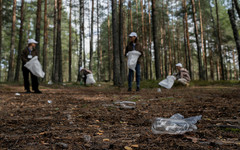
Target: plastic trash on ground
[35, 67]
[159, 90]
[50, 82]
[17, 94]
[90, 79]
[176, 124]
[168, 83]
[132, 59]
[49, 102]
[126, 104]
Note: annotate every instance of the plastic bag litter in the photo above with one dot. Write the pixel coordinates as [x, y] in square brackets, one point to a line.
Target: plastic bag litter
[126, 104]
[17, 94]
[35, 67]
[176, 124]
[168, 82]
[90, 79]
[132, 59]
[50, 82]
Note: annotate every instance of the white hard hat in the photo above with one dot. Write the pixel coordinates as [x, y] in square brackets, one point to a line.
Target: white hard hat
[179, 65]
[32, 41]
[133, 34]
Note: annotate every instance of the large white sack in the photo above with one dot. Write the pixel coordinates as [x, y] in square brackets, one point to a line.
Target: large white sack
[90, 79]
[35, 67]
[168, 83]
[132, 59]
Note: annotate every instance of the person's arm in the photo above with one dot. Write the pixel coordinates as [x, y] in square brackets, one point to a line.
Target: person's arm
[126, 51]
[24, 57]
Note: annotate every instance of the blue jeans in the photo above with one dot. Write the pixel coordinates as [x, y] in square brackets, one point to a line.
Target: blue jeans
[138, 76]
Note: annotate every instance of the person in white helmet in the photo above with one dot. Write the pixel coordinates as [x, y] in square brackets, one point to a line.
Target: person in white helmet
[182, 75]
[27, 54]
[134, 45]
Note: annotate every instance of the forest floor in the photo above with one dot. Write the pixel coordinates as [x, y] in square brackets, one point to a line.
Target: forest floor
[79, 118]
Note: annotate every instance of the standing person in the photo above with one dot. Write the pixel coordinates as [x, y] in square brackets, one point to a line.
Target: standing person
[182, 75]
[27, 54]
[134, 45]
[85, 72]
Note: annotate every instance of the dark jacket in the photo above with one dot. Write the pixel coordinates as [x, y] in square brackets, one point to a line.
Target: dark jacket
[25, 53]
[138, 47]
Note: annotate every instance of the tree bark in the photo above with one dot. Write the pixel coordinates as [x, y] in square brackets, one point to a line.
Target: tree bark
[19, 43]
[1, 38]
[98, 45]
[54, 40]
[204, 67]
[219, 42]
[188, 40]
[12, 47]
[235, 33]
[58, 70]
[121, 23]
[91, 41]
[38, 26]
[234, 66]
[45, 40]
[70, 44]
[116, 58]
[155, 40]
[150, 38]
[197, 41]
[237, 7]
[109, 47]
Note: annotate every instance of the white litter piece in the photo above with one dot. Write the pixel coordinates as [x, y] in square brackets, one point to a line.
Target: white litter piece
[35, 67]
[132, 59]
[90, 79]
[50, 82]
[49, 101]
[168, 83]
[176, 124]
[159, 90]
[126, 104]
[17, 94]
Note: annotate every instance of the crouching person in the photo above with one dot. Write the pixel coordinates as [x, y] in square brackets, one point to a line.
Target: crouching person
[183, 75]
[87, 76]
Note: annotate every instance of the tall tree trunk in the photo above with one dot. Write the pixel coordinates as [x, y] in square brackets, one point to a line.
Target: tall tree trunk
[150, 38]
[70, 44]
[91, 41]
[54, 40]
[202, 42]
[131, 19]
[235, 32]
[38, 26]
[169, 46]
[83, 29]
[0, 38]
[109, 47]
[237, 7]
[116, 57]
[45, 40]
[145, 65]
[219, 42]
[234, 66]
[197, 41]
[58, 70]
[188, 40]
[210, 59]
[80, 38]
[155, 40]
[98, 45]
[19, 43]
[122, 63]
[11, 58]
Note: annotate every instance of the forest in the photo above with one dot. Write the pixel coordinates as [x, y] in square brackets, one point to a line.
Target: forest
[202, 35]
[94, 36]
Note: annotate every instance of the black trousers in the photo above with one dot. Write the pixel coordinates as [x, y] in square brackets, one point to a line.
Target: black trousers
[26, 80]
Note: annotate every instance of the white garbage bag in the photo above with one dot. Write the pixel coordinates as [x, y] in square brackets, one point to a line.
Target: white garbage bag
[168, 83]
[132, 59]
[35, 67]
[90, 79]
